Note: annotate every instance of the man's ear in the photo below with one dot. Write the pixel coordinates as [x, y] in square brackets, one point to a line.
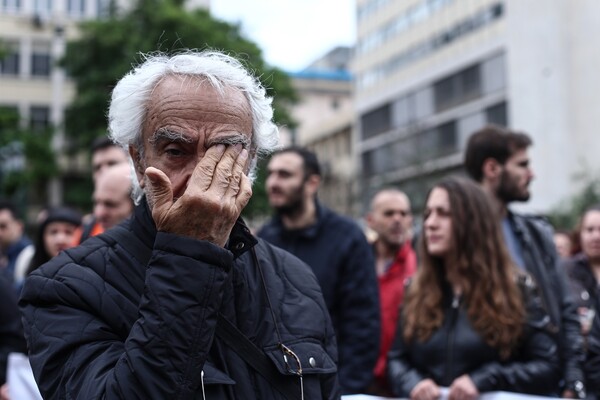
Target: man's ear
[137, 164]
[369, 219]
[312, 184]
[491, 169]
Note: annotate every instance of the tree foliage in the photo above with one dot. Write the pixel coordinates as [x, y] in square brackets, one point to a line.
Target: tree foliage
[567, 216]
[108, 48]
[26, 159]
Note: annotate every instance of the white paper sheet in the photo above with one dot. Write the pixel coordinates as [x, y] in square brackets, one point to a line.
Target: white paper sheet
[21, 384]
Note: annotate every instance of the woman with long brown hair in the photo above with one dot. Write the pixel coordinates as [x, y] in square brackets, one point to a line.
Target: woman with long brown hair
[471, 321]
[584, 275]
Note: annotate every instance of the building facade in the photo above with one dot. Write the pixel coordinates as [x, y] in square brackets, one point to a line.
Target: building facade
[324, 114]
[430, 72]
[33, 37]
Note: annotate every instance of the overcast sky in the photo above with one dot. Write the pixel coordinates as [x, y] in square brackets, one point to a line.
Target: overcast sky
[292, 33]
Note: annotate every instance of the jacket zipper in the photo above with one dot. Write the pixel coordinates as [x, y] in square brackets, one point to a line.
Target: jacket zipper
[450, 341]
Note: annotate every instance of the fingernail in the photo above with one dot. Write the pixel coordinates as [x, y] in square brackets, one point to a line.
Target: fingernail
[238, 148]
[244, 154]
[220, 147]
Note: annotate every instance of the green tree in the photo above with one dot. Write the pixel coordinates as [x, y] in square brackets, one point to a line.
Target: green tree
[107, 48]
[27, 161]
[568, 214]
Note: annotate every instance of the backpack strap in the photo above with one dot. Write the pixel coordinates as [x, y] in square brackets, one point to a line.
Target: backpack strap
[256, 358]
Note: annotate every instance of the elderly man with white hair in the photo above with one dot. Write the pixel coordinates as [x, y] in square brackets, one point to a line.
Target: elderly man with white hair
[182, 301]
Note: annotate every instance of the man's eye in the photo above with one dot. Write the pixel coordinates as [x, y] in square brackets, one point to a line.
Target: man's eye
[173, 151]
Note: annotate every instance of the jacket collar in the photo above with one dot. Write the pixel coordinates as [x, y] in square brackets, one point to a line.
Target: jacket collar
[143, 226]
[15, 249]
[581, 270]
[308, 232]
[518, 226]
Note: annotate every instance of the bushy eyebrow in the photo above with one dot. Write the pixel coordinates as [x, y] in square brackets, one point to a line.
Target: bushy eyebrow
[231, 140]
[165, 134]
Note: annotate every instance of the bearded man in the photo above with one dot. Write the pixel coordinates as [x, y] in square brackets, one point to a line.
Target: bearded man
[498, 159]
[337, 251]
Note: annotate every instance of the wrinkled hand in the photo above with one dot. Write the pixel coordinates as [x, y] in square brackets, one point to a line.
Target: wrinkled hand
[463, 388]
[217, 192]
[425, 390]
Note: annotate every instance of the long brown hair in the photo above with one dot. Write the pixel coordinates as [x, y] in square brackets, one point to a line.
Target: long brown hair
[481, 265]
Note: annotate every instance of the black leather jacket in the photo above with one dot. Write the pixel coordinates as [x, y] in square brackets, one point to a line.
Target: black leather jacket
[541, 261]
[457, 349]
[586, 291]
[105, 321]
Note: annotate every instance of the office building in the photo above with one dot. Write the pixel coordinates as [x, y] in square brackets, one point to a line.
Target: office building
[430, 72]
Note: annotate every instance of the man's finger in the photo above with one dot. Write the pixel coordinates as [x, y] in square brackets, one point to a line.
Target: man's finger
[224, 171]
[235, 178]
[244, 194]
[203, 174]
[159, 192]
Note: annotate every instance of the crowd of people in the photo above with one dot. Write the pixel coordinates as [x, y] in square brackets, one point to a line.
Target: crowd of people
[164, 292]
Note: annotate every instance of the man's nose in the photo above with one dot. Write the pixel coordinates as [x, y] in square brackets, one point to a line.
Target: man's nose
[270, 181]
[531, 174]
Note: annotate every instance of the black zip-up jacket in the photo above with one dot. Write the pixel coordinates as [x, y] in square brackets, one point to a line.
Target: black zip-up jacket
[541, 261]
[586, 291]
[11, 331]
[105, 322]
[456, 349]
[337, 251]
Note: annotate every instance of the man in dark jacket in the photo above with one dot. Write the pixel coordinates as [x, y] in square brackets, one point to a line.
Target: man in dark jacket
[180, 301]
[11, 330]
[337, 251]
[15, 247]
[498, 159]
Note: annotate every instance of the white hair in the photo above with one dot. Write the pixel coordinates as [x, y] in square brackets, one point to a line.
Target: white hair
[132, 93]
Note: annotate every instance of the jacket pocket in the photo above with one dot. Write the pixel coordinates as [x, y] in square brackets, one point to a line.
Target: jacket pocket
[214, 376]
[312, 357]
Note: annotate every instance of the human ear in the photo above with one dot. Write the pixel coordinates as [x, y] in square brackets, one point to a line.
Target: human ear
[312, 184]
[137, 164]
[491, 169]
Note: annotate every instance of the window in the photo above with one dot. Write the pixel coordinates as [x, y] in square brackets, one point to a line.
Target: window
[76, 7]
[42, 7]
[11, 5]
[335, 103]
[39, 118]
[458, 88]
[377, 161]
[102, 8]
[401, 111]
[493, 74]
[40, 64]
[496, 114]
[40, 60]
[376, 121]
[438, 141]
[423, 103]
[469, 124]
[9, 64]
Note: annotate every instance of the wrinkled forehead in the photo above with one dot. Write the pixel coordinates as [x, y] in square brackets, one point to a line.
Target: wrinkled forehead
[186, 98]
[391, 200]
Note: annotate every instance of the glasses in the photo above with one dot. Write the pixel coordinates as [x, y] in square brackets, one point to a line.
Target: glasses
[289, 358]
